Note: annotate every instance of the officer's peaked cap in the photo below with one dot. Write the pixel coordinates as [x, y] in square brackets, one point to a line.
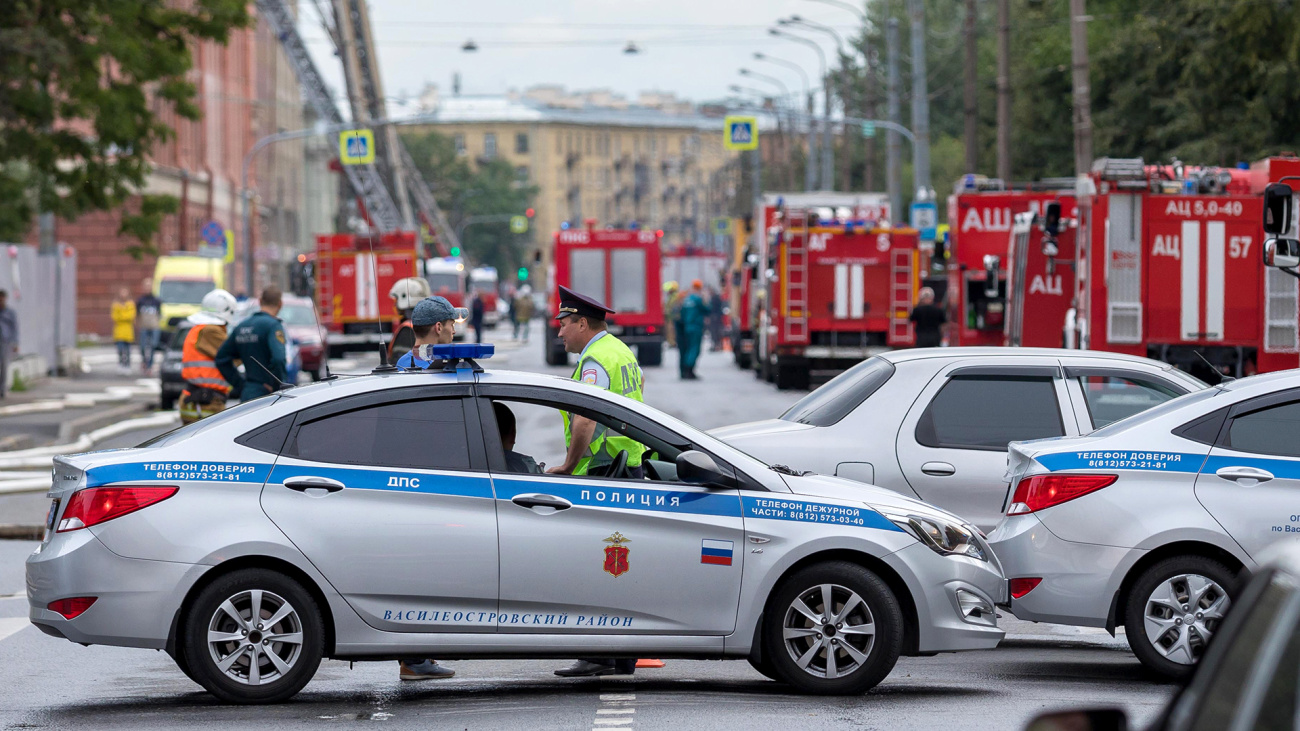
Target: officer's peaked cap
[572, 303]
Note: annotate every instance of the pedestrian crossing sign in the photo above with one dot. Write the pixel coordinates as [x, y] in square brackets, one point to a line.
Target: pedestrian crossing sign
[741, 133]
[357, 147]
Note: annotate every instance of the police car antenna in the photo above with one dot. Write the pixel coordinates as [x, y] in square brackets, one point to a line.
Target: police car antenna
[384, 366]
[279, 385]
[1223, 377]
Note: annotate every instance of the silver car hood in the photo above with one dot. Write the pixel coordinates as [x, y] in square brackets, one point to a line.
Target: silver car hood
[876, 497]
[758, 429]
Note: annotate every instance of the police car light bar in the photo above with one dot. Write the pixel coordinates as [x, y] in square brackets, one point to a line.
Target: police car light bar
[462, 351]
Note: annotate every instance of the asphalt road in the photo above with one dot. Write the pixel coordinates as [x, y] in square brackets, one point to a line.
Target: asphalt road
[52, 683]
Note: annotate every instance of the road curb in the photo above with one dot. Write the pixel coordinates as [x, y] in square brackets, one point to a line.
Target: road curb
[74, 428]
[18, 532]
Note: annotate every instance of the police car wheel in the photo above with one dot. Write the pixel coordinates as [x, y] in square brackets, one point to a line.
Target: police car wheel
[253, 636]
[764, 666]
[1173, 610]
[833, 628]
[184, 664]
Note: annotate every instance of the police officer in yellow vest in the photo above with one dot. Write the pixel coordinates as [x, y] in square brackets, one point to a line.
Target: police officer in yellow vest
[605, 362]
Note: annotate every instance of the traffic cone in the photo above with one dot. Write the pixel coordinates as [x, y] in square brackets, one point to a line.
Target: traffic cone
[649, 663]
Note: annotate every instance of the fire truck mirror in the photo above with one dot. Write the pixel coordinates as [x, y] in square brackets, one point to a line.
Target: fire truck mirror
[992, 270]
[1052, 219]
[1277, 209]
[1282, 253]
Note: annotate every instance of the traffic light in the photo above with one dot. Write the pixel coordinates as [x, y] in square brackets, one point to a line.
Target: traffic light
[523, 274]
[455, 251]
[530, 212]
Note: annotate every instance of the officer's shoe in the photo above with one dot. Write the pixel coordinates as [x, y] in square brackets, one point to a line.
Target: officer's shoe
[426, 670]
[585, 669]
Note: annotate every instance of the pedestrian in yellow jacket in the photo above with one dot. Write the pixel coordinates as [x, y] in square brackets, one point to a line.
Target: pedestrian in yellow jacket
[123, 313]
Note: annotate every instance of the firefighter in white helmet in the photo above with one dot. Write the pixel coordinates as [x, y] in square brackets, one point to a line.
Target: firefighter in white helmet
[205, 390]
[406, 294]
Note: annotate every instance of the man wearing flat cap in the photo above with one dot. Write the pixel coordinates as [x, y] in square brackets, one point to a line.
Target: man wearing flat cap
[606, 362]
[434, 323]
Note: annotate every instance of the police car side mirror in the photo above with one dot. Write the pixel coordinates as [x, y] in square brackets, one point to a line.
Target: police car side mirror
[697, 468]
[1282, 253]
[1277, 209]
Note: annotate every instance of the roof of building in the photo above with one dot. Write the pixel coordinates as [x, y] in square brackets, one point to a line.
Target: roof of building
[500, 108]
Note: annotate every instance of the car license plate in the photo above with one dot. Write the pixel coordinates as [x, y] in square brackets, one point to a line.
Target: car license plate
[54, 513]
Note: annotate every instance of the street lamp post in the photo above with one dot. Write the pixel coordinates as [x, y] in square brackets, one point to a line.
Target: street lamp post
[781, 147]
[828, 168]
[810, 173]
[827, 161]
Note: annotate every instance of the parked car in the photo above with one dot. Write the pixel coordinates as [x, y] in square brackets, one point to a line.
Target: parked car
[934, 423]
[1149, 522]
[169, 373]
[1248, 678]
[307, 334]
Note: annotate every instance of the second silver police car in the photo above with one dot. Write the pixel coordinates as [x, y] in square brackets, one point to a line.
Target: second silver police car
[377, 518]
[1152, 522]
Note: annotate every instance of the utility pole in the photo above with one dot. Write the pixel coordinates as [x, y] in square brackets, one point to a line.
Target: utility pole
[1004, 90]
[828, 164]
[971, 105]
[920, 99]
[810, 163]
[893, 172]
[1082, 91]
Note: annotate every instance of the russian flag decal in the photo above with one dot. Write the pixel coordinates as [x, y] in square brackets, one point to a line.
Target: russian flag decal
[715, 552]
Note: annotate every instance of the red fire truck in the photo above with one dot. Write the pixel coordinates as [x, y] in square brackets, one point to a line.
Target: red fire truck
[353, 276]
[620, 268]
[980, 215]
[837, 291]
[1168, 267]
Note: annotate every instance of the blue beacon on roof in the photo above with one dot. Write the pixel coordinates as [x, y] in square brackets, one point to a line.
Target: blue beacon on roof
[461, 351]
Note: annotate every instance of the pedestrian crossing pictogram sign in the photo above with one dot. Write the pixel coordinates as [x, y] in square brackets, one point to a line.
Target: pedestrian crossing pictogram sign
[357, 147]
[741, 133]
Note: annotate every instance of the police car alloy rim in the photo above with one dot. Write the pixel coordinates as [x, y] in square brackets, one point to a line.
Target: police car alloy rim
[829, 631]
[1182, 614]
[255, 637]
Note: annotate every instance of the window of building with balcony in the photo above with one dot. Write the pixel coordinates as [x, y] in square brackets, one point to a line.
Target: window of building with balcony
[459, 141]
[521, 143]
[490, 145]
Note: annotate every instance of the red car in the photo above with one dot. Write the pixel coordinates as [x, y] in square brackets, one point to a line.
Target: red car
[303, 326]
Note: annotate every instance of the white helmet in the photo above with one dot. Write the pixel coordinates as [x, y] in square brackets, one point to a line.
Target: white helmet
[217, 308]
[409, 291]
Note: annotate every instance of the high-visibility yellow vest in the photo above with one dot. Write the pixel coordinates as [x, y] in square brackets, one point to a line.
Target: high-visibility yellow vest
[625, 378]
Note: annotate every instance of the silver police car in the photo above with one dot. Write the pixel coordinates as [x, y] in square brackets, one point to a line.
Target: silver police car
[1152, 522]
[388, 516]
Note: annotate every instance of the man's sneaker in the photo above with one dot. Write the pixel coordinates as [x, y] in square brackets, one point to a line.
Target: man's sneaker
[426, 670]
[585, 669]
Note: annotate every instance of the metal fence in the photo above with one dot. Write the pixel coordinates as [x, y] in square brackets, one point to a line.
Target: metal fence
[43, 291]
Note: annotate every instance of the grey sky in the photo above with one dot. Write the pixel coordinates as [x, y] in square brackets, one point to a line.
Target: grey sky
[691, 47]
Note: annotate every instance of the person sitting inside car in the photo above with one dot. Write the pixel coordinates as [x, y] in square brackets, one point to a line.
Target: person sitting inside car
[515, 462]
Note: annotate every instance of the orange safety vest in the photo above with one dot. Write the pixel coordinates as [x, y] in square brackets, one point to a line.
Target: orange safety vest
[197, 367]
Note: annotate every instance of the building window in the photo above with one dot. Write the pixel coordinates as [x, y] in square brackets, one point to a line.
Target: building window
[588, 137]
[521, 142]
[559, 143]
[490, 145]
[459, 141]
[521, 173]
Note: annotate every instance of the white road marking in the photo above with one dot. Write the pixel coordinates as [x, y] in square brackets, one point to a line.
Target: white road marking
[613, 721]
[613, 711]
[12, 625]
[618, 696]
[19, 595]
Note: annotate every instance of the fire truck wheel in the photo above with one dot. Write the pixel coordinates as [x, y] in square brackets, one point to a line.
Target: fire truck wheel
[650, 354]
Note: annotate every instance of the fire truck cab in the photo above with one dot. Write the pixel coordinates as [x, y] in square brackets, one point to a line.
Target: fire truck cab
[620, 268]
[837, 292]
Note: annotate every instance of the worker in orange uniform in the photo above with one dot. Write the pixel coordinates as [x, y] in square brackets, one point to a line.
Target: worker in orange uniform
[205, 389]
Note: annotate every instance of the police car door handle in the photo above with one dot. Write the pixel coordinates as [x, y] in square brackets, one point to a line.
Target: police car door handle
[938, 469]
[538, 500]
[1244, 473]
[302, 484]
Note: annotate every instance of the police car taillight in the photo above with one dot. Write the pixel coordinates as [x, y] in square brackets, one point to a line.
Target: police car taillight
[101, 504]
[1043, 491]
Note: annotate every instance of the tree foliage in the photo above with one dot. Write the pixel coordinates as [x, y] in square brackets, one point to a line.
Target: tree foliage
[82, 83]
[488, 188]
[1211, 82]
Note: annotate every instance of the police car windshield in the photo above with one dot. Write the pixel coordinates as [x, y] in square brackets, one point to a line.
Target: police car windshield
[185, 432]
[1145, 417]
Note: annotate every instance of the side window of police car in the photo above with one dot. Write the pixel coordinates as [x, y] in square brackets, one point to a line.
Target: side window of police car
[1270, 430]
[976, 412]
[424, 434]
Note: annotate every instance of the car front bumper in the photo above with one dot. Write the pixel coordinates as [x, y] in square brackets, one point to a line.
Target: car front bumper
[1079, 580]
[136, 599]
[940, 585]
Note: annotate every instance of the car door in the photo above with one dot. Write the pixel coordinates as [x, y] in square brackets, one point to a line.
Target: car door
[1102, 395]
[952, 445]
[597, 555]
[1251, 480]
[388, 496]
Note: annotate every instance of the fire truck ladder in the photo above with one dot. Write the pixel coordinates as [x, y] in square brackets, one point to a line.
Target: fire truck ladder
[900, 296]
[796, 282]
[366, 180]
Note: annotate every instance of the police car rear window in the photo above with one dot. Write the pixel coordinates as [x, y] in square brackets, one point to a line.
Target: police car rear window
[844, 393]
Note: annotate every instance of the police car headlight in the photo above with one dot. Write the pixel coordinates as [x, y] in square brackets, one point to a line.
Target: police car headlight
[942, 536]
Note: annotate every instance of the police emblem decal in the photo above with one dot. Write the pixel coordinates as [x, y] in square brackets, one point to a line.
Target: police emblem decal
[616, 555]
[589, 376]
